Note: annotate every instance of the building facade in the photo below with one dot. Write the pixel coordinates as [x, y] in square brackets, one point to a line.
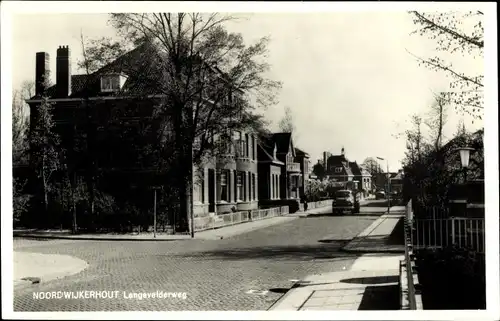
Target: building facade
[229, 182]
[303, 159]
[277, 150]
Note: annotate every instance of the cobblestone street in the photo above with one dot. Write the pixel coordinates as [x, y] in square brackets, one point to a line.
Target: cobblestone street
[216, 275]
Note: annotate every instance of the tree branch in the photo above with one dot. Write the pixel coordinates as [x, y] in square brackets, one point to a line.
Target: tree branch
[444, 29]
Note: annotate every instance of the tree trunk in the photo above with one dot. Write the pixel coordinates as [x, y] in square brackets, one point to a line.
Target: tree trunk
[185, 193]
[73, 186]
[45, 196]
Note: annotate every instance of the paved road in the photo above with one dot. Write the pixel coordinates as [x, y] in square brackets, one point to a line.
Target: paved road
[216, 275]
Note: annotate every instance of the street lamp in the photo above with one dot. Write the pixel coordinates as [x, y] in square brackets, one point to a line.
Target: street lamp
[388, 185]
[464, 159]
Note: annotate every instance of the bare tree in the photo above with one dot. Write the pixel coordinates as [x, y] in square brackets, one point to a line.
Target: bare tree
[436, 120]
[286, 123]
[45, 145]
[206, 79]
[20, 121]
[460, 34]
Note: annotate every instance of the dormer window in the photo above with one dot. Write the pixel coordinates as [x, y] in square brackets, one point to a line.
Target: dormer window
[112, 82]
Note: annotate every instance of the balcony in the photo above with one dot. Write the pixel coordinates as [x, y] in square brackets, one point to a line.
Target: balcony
[293, 167]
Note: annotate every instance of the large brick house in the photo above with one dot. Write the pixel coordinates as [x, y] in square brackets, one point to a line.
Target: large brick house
[338, 168]
[114, 92]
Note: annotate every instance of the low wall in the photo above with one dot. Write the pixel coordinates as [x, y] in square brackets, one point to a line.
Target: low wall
[409, 285]
[223, 220]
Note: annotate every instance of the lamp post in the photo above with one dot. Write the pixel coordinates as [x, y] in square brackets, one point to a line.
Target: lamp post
[388, 185]
[464, 159]
[155, 189]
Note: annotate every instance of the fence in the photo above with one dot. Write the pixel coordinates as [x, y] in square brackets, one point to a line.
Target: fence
[442, 231]
[439, 233]
[218, 221]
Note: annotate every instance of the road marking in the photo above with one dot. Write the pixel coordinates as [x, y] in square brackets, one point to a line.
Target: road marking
[258, 292]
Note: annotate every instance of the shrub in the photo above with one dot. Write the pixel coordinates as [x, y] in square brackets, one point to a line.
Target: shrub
[452, 278]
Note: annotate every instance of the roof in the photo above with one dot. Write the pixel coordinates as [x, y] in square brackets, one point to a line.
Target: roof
[348, 170]
[140, 67]
[355, 168]
[266, 150]
[364, 172]
[133, 63]
[336, 159]
[300, 152]
[282, 141]
[398, 176]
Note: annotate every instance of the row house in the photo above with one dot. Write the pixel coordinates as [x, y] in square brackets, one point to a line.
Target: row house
[282, 167]
[305, 167]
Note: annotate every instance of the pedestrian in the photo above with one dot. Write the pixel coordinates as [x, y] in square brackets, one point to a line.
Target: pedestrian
[305, 203]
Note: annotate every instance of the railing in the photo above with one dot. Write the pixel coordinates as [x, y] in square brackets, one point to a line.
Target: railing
[439, 233]
[222, 220]
[318, 204]
[293, 167]
[437, 230]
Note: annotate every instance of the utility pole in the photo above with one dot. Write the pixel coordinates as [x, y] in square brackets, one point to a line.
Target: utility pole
[155, 189]
[388, 189]
[154, 217]
[388, 184]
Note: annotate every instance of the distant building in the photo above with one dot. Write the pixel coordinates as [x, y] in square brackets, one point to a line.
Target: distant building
[397, 181]
[337, 168]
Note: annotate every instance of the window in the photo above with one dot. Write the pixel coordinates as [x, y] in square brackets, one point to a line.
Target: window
[276, 186]
[253, 187]
[338, 170]
[112, 82]
[239, 186]
[242, 148]
[237, 142]
[247, 145]
[250, 146]
[254, 147]
[223, 186]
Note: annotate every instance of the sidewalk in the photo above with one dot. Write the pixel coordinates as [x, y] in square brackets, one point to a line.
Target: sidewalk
[31, 268]
[214, 234]
[375, 238]
[370, 284]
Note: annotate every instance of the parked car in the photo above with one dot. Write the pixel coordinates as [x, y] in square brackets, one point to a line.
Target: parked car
[380, 195]
[345, 200]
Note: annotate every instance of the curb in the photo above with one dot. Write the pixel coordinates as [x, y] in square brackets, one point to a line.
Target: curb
[149, 239]
[368, 251]
[73, 269]
[365, 233]
[283, 297]
[89, 238]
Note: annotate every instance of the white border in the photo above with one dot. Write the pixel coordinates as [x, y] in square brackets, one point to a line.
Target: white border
[491, 151]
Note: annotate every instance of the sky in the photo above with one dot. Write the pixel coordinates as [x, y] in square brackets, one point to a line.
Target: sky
[347, 76]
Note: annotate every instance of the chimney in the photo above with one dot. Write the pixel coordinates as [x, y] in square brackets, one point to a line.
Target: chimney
[63, 72]
[42, 68]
